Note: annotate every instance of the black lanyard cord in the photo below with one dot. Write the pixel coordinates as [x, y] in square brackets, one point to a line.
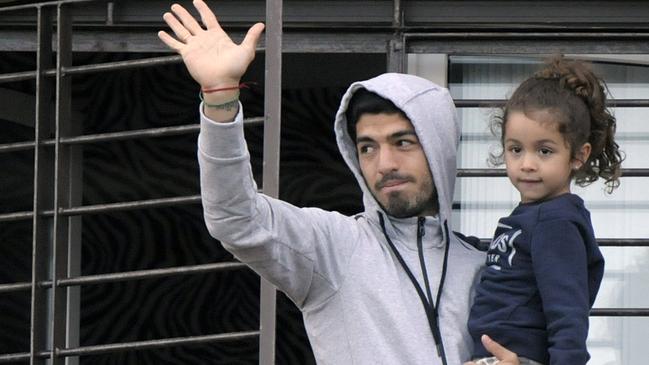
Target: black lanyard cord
[422, 261]
[430, 308]
[444, 266]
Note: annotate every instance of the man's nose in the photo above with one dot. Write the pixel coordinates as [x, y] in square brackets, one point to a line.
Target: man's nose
[388, 161]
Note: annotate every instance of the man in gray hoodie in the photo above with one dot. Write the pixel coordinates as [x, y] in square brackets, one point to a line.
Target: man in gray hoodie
[391, 285]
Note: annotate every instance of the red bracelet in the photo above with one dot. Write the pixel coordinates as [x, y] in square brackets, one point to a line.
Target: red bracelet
[243, 85]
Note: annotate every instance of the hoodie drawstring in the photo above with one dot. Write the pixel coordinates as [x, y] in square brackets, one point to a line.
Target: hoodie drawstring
[430, 308]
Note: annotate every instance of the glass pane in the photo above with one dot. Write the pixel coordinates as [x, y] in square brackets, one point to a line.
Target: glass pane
[627, 270]
[618, 340]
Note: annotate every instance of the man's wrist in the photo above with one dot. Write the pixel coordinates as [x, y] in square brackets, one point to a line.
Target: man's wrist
[232, 84]
[221, 100]
[220, 97]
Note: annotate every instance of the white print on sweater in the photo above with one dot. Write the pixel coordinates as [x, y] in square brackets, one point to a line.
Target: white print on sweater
[502, 244]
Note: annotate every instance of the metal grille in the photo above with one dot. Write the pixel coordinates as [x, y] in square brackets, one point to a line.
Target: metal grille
[56, 198]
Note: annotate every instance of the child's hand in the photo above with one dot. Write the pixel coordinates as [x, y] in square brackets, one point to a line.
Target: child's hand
[505, 357]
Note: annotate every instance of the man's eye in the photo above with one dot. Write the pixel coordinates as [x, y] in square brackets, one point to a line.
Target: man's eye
[365, 149]
[404, 143]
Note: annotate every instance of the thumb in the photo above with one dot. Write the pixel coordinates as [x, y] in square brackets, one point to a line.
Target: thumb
[498, 350]
[252, 37]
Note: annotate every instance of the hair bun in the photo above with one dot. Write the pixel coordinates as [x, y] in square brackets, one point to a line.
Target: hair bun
[578, 97]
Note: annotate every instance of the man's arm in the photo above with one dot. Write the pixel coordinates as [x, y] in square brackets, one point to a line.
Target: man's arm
[303, 251]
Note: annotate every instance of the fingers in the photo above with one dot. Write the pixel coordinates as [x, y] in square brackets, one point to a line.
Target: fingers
[498, 351]
[207, 16]
[184, 26]
[174, 24]
[170, 41]
[252, 37]
[187, 19]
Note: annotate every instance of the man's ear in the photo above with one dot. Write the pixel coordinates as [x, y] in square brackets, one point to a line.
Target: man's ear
[581, 156]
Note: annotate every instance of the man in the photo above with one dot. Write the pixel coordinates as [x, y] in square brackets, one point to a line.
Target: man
[392, 285]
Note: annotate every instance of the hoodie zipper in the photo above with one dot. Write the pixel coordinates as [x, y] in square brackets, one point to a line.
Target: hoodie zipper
[434, 306]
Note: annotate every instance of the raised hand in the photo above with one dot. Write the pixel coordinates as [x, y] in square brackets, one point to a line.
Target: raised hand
[209, 54]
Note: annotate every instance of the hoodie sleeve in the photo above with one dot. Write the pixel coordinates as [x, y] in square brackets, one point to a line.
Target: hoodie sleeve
[561, 272]
[302, 251]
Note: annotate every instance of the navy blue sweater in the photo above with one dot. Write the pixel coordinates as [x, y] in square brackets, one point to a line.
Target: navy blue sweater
[543, 272]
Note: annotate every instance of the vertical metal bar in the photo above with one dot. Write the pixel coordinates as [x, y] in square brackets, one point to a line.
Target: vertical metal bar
[396, 61]
[397, 14]
[59, 250]
[396, 55]
[110, 13]
[73, 306]
[272, 128]
[74, 185]
[42, 188]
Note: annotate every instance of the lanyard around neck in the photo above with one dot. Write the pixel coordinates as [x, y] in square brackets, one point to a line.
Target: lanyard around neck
[431, 308]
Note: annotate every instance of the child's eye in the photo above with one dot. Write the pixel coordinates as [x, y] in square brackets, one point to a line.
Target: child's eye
[545, 151]
[514, 149]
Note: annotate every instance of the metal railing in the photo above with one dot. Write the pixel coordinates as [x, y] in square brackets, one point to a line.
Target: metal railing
[52, 202]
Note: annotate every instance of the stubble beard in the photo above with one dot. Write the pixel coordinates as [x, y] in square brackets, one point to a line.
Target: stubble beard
[399, 205]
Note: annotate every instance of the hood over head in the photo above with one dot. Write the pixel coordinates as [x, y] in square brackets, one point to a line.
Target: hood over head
[432, 113]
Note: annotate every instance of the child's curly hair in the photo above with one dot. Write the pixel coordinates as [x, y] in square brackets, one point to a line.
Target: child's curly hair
[575, 99]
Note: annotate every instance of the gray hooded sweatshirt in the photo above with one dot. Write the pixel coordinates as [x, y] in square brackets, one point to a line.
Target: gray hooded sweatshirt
[358, 303]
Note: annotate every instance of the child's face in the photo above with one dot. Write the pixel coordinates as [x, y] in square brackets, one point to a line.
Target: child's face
[538, 159]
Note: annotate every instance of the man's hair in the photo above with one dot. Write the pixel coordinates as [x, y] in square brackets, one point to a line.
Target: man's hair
[367, 102]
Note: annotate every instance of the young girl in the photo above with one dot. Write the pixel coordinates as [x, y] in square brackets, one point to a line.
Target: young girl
[544, 267]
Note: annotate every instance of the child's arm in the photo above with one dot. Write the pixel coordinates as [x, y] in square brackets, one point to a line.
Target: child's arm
[561, 270]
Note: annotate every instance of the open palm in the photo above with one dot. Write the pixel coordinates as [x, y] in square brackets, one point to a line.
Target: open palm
[209, 54]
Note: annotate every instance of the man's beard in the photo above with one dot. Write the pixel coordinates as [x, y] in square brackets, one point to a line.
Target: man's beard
[400, 206]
